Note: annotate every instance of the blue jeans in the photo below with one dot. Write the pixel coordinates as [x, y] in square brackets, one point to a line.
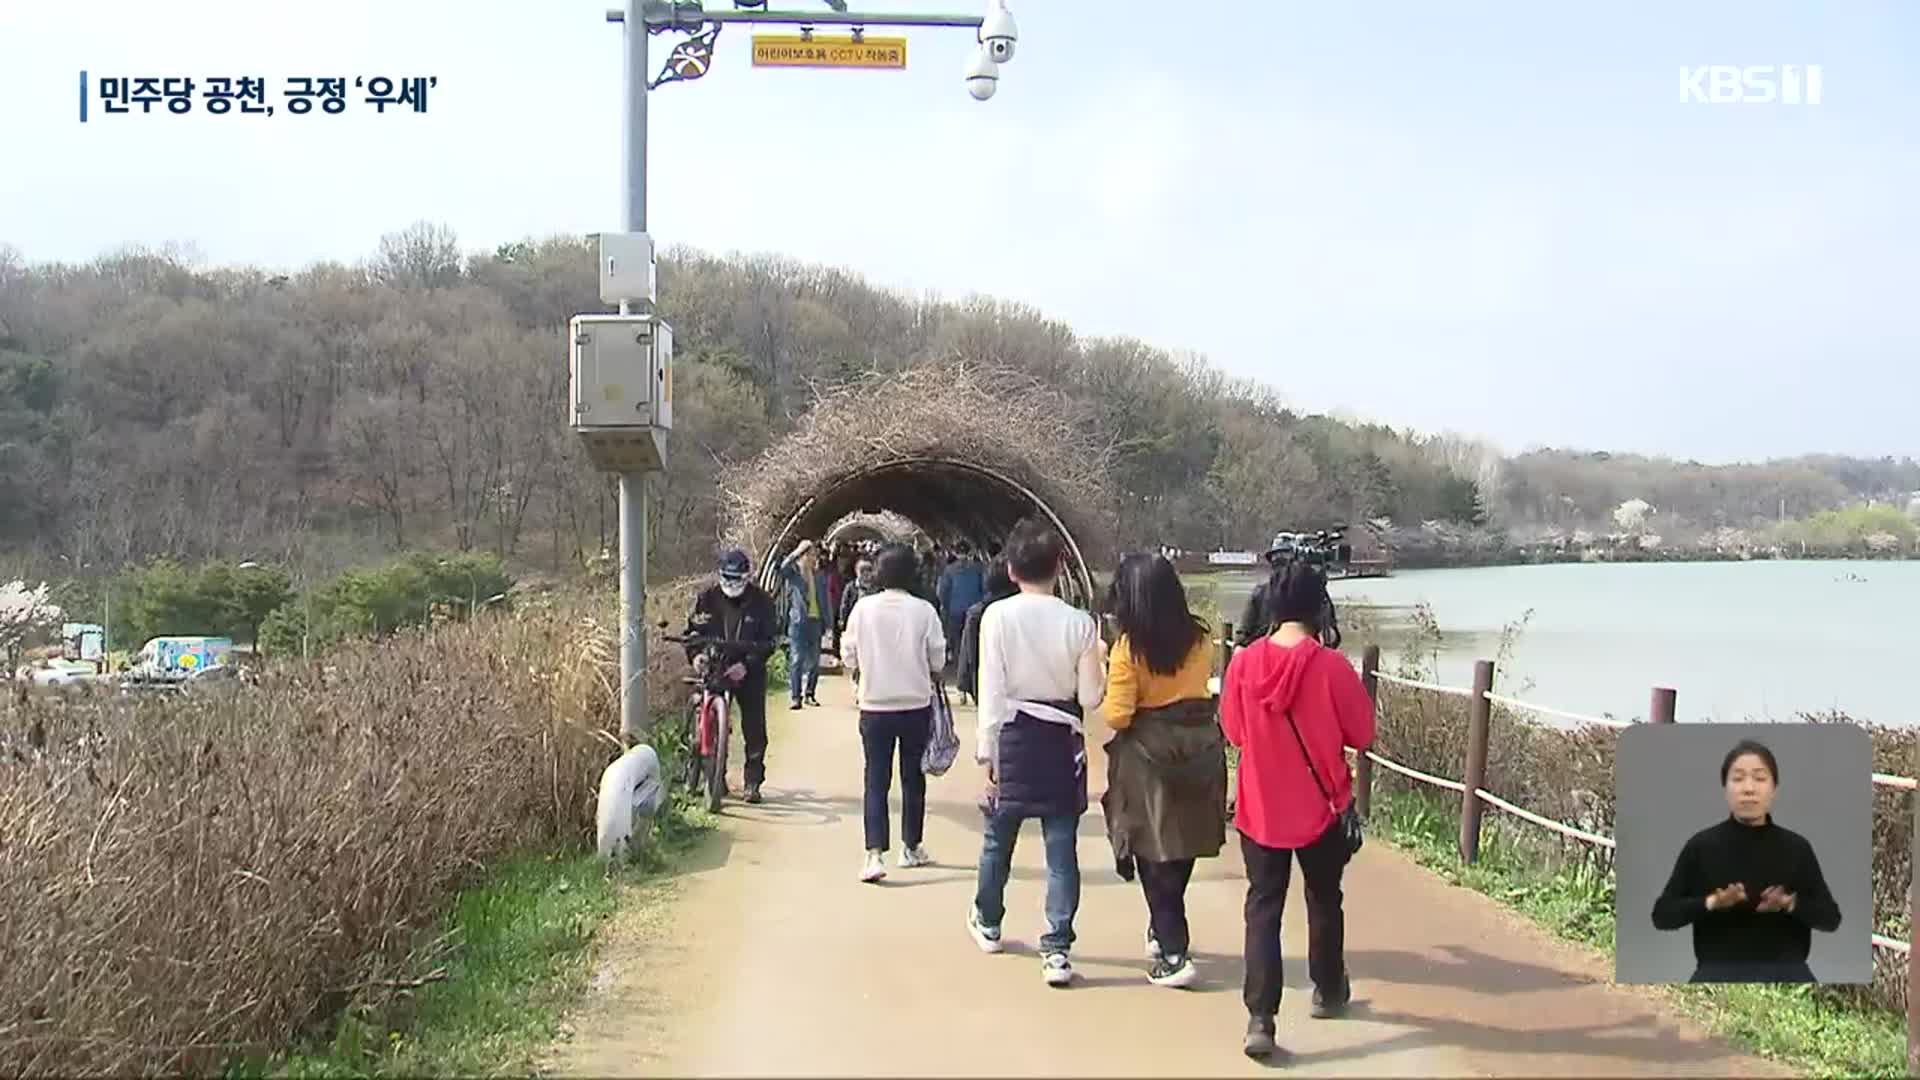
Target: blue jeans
[803, 658]
[1061, 835]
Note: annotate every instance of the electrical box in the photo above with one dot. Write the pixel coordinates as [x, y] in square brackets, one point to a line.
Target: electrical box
[620, 378]
[626, 267]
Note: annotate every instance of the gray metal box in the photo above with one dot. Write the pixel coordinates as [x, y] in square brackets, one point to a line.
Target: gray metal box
[620, 380]
[626, 267]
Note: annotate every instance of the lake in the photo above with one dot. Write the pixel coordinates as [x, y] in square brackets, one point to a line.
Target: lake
[1738, 641]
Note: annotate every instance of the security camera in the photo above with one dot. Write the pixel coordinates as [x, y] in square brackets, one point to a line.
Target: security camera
[998, 33]
[983, 75]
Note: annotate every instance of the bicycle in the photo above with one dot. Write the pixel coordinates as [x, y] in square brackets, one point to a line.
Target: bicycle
[710, 714]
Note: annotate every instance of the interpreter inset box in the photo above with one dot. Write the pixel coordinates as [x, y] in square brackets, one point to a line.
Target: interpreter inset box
[1744, 854]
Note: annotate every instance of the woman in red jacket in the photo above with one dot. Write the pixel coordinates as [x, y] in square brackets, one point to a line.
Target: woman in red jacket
[1290, 704]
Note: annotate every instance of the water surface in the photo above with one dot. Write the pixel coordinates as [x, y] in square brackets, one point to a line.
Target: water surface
[1738, 641]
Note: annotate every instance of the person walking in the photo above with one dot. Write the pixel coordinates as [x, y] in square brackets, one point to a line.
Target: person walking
[962, 585]
[967, 664]
[1290, 705]
[807, 611]
[860, 585]
[893, 646]
[1040, 670]
[1166, 794]
[735, 609]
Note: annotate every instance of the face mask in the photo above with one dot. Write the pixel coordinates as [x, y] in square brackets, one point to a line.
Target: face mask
[734, 589]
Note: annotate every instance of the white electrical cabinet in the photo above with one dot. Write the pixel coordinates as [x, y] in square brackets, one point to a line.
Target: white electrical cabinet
[627, 267]
[620, 400]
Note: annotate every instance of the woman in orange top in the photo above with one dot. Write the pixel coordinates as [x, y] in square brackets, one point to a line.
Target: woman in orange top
[1166, 792]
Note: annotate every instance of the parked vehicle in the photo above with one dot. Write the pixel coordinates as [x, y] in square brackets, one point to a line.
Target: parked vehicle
[174, 659]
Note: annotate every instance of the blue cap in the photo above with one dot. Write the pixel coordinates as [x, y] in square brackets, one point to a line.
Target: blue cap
[734, 564]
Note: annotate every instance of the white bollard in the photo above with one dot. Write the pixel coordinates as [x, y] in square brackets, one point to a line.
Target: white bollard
[631, 789]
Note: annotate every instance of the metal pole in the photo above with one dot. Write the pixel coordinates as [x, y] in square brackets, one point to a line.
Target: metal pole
[633, 486]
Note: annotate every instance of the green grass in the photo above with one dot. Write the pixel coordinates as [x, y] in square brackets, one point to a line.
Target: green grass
[1817, 1030]
[521, 958]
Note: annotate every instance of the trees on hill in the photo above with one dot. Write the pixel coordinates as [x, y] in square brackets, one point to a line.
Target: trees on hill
[149, 407]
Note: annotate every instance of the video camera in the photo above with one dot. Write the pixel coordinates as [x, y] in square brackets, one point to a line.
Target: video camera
[1324, 549]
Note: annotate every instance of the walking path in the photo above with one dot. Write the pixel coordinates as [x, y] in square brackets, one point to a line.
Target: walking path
[774, 960]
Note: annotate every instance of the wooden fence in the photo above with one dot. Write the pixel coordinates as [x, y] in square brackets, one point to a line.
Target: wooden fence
[1474, 797]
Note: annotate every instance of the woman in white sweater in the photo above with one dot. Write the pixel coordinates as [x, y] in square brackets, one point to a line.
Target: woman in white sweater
[892, 648]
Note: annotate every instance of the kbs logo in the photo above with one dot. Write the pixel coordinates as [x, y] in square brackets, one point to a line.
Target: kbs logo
[1728, 84]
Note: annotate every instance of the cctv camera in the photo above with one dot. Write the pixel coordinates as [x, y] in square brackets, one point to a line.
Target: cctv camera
[998, 33]
[982, 75]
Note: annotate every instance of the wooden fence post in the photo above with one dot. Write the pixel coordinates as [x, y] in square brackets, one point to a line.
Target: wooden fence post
[1479, 719]
[1662, 705]
[1363, 768]
[1913, 933]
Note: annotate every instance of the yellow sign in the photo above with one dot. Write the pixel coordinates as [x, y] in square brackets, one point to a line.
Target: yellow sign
[787, 50]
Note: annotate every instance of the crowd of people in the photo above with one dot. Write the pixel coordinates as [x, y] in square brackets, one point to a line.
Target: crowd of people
[1038, 668]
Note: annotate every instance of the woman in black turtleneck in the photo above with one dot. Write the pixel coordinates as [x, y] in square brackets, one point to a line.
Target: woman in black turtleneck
[1752, 890]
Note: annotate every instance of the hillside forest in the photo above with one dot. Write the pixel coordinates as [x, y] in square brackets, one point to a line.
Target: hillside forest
[343, 415]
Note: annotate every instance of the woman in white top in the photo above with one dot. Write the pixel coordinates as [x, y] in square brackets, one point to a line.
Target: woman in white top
[1041, 667]
[892, 647]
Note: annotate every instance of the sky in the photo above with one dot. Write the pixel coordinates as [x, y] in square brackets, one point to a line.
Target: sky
[1497, 219]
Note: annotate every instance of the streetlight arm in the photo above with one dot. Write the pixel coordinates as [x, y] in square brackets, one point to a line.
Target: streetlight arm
[840, 18]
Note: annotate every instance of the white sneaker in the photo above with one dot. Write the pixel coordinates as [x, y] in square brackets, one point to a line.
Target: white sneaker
[875, 869]
[988, 938]
[915, 856]
[1056, 969]
[1153, 945]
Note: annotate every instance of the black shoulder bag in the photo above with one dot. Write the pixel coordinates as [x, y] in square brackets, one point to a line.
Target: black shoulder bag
[1347, 820]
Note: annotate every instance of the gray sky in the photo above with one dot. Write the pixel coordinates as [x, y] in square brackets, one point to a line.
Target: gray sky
[1493, 218]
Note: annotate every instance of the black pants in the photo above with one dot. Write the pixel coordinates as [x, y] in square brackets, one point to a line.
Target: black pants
[1268, 872]
[881, 732]
[752, 699]
[1165, 884]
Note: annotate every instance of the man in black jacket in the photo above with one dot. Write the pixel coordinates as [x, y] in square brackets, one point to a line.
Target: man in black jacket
[735, 609]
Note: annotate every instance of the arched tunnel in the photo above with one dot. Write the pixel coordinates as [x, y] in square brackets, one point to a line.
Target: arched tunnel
[948, 498]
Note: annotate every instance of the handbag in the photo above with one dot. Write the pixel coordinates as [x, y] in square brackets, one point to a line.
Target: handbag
[943, 744]
[1348, 820]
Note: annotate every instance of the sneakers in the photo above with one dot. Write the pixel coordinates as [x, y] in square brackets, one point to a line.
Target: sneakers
[753, 793]
[987, 937]
[875, 869]
[1153, 945]
[1323, 1009]
[1056, 969]
[915, 856]
[1177, 972]
[812, 701]
[1259, 1041]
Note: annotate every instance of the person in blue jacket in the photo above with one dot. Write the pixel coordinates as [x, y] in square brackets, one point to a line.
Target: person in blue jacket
[962, 585]
[809, 608]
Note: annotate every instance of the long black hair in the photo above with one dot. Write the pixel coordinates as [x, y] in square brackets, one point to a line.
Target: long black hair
[1150, 604]
[1297, 592]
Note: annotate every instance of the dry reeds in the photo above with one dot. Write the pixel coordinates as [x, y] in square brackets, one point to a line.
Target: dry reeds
[190, 879]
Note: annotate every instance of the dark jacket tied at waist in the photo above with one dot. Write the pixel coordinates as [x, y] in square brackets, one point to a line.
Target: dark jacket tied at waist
[1166, 794]
[1042, 767]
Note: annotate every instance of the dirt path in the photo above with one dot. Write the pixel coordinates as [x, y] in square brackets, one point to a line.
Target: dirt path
[776, 960]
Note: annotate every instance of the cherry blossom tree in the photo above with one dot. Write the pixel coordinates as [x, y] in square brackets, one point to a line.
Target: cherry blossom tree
[23, 611]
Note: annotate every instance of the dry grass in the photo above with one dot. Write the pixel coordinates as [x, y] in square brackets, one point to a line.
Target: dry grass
[189, 880]
[1567, 775]
[986, 416]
